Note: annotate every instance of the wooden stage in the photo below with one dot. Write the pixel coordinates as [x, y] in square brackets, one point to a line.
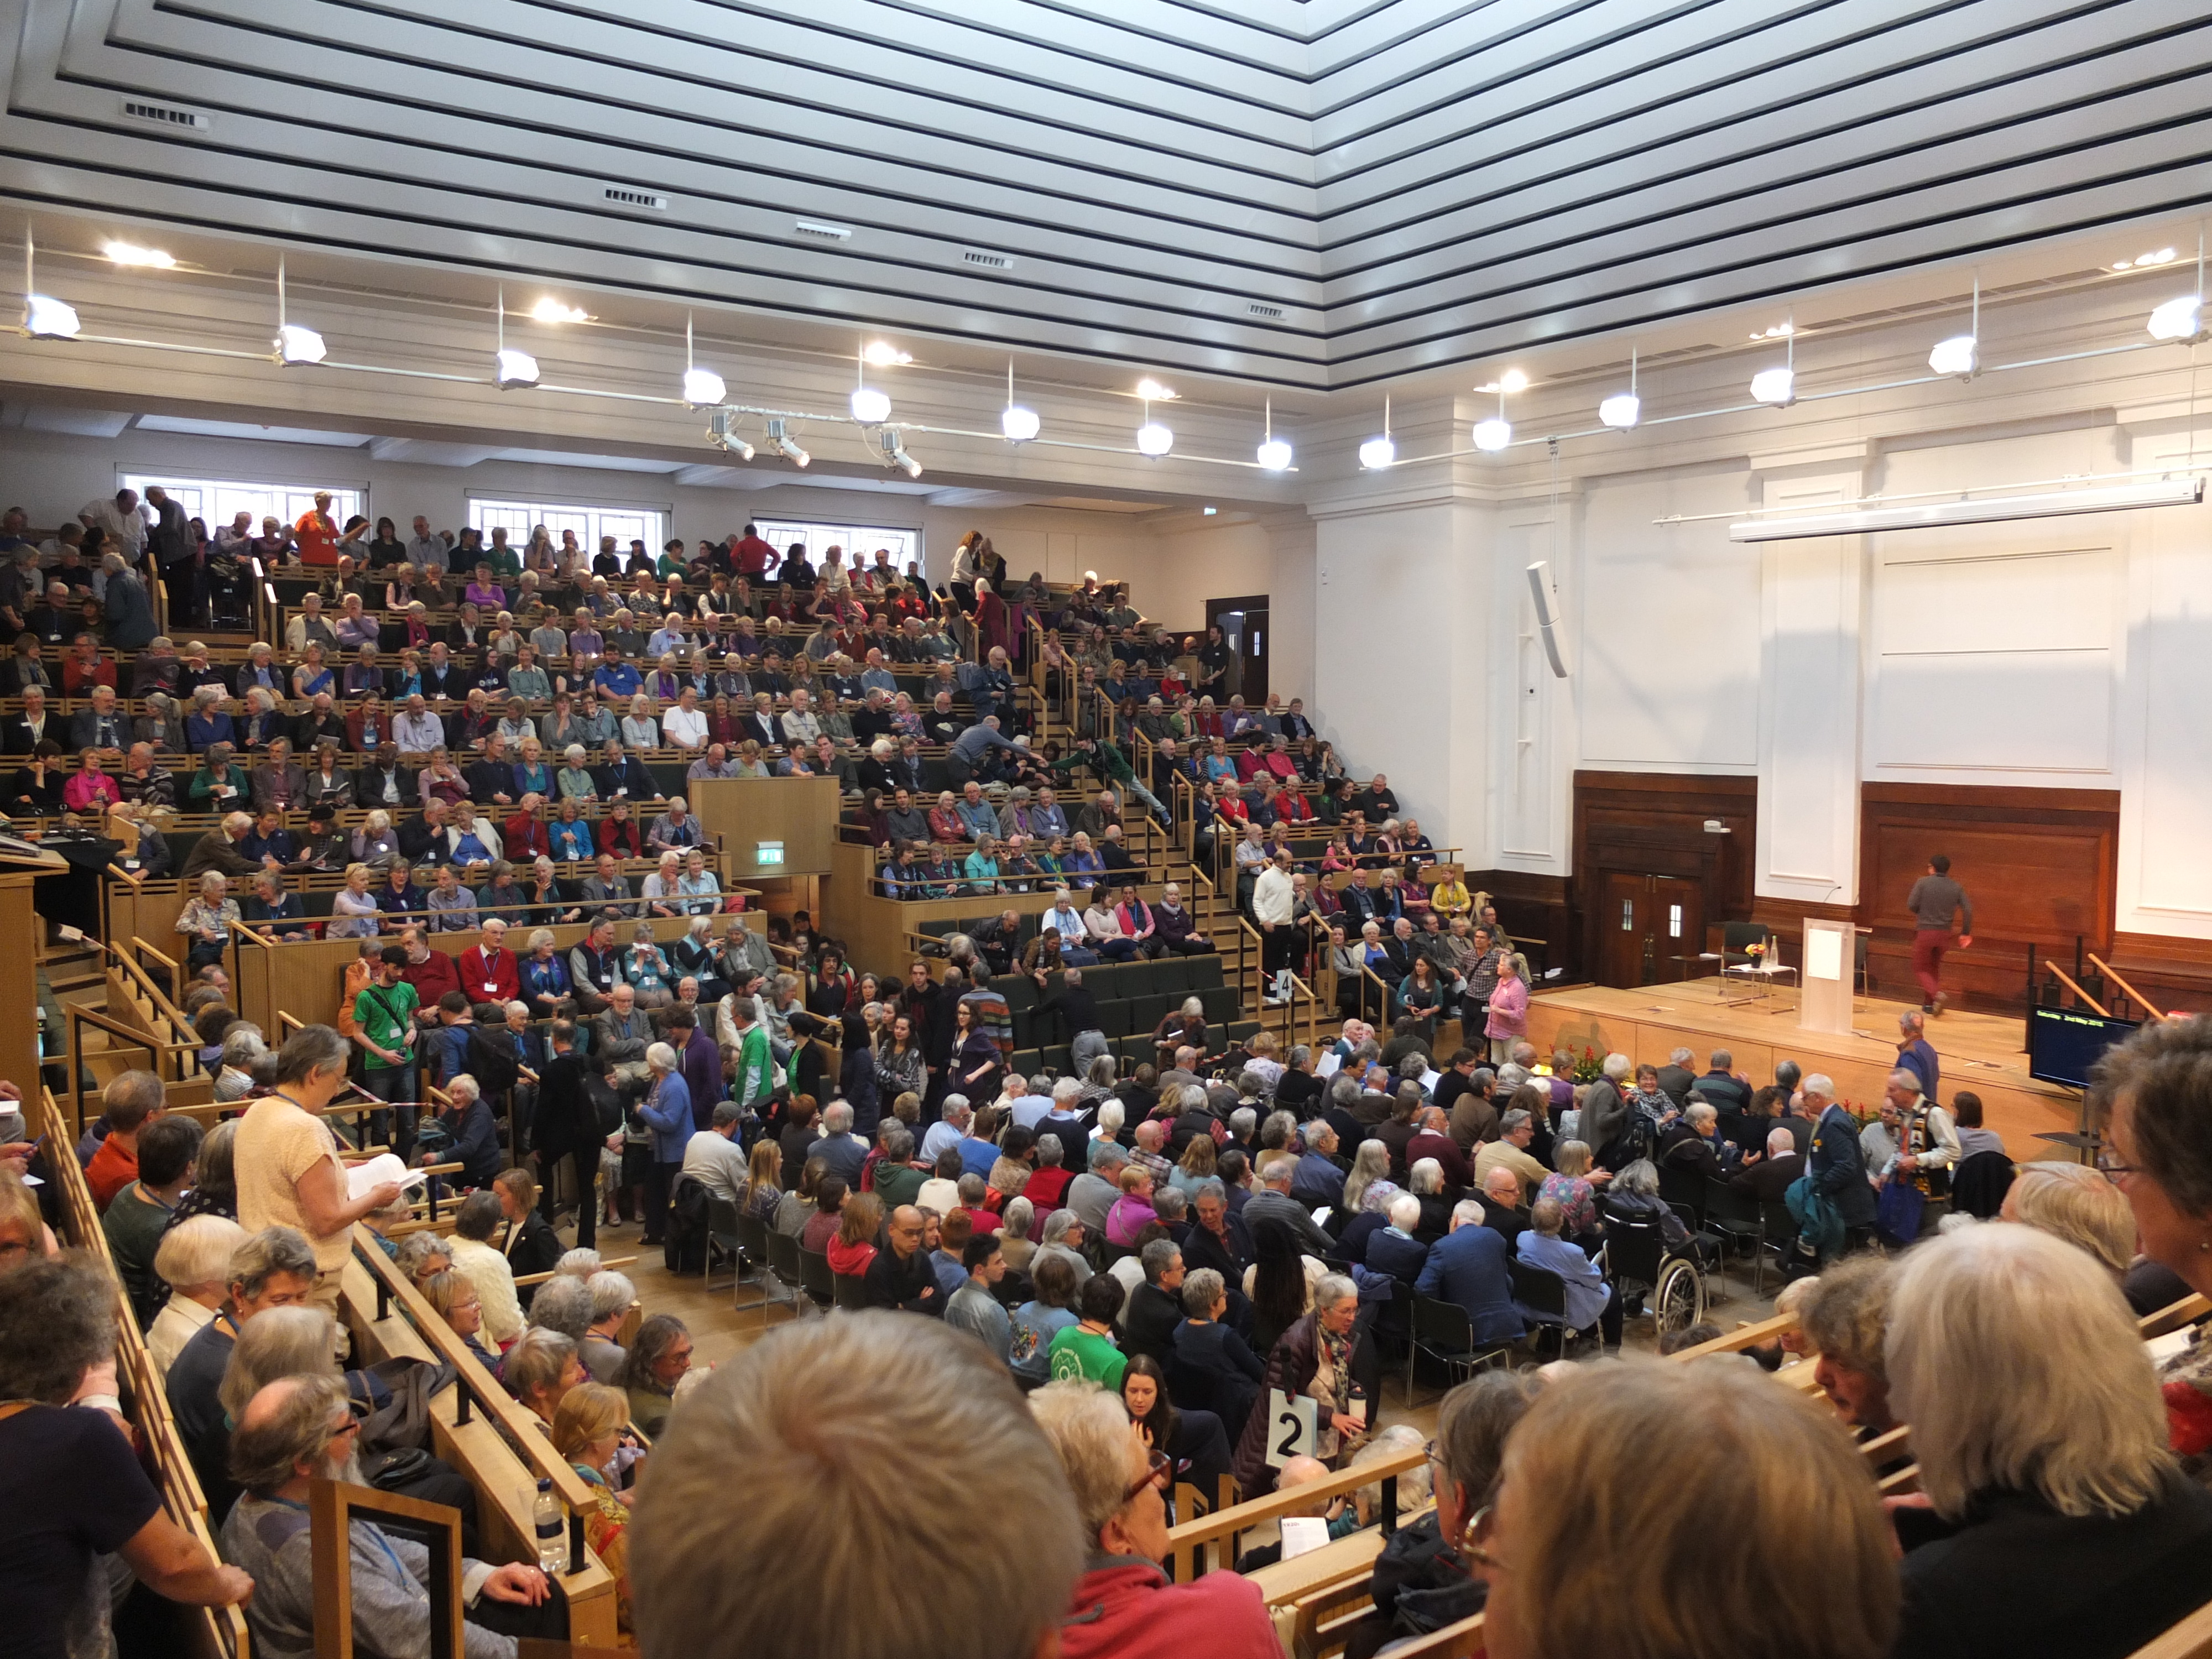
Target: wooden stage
[1982, 1053]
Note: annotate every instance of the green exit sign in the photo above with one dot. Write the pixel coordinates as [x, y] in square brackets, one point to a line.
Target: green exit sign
[768, 852]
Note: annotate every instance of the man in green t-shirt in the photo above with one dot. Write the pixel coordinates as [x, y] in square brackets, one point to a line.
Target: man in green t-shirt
[1087, 1349]
[384, 1024]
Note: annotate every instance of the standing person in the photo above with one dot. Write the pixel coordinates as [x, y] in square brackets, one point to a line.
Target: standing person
[1934, 899]
[568, 1127]
[1507, 1020]
[287, 1159]
[384, 1026]
[666, 1110]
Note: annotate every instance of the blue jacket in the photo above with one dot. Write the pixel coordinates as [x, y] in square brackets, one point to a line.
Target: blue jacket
[1389, 1251]
[667, 1112]
[1587, 1291]
[1837, 1168]
[1468, 1267]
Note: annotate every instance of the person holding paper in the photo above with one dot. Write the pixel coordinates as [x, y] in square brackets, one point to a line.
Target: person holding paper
[287, 1159]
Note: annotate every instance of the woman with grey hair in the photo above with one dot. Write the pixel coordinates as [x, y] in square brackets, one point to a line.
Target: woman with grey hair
[242, 1044]
[613, 1297]
[72, 1472]
[161, 725]
[1014, 1241]
[1063, 1237]
[2057, 1519]
[1312, 1359]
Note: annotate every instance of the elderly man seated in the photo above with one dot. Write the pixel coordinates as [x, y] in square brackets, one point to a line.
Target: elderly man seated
[296, 1430]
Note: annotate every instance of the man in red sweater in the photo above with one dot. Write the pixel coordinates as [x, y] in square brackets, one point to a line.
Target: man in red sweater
[131, 1101]
[1123, 1606]
[431, 972]
[488, 970]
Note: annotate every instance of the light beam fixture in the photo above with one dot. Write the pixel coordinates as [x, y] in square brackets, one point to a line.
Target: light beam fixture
[895, 453]
[1274, 453]
[1779, 386]
[1154, 392]
[514, 371]
[2182, 320]
[1494, 435]
[129, 253]
[881, 353]
[1020, 424]
[1961, 355]
[721, 428]
[297, 347]
[703, 387]
[870, 407]
[550, 310]
[1622, 411]
[45, 318]
[779, 442]
[1378, 453]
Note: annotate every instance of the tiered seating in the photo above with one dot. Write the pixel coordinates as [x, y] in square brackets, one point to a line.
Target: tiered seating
[1133, 997]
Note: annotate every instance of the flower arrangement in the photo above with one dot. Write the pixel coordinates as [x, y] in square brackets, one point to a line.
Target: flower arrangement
[1589, 1066]
[1756, 951]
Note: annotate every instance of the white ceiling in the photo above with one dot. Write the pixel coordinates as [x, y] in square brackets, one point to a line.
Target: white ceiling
[1409, 183]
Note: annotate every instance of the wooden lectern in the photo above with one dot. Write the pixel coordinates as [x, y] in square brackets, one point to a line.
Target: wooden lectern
[1824, 1002]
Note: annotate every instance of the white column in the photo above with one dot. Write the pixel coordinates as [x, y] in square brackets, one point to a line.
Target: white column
[1812, 604]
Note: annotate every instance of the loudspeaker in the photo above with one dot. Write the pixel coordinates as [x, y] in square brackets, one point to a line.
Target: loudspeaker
[1545, 625]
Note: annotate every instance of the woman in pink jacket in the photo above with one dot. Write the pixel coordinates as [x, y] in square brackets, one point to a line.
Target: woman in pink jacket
[1508, 1009]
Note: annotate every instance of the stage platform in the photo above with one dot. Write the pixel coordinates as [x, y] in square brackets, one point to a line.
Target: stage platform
[1981, 1052]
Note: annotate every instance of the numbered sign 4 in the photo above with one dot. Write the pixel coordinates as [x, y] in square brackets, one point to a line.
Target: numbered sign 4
[1291, 1427]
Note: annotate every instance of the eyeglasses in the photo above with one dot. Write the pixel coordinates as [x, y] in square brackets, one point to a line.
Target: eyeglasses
[2107, 1165]
[1158, 1468]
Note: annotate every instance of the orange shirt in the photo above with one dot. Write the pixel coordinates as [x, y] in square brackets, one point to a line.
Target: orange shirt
[317, 534]
[113, 1167]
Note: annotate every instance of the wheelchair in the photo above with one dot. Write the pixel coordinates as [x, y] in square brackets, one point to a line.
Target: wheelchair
[1637, 1261]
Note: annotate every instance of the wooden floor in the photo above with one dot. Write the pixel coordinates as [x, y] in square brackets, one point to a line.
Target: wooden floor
[1983, 1053]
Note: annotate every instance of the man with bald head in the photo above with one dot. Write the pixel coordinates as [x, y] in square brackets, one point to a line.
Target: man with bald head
[1502, 1210]
[901, 1275]
[299, 1428]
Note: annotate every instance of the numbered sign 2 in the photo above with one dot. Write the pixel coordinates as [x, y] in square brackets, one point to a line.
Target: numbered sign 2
[1291, 1427]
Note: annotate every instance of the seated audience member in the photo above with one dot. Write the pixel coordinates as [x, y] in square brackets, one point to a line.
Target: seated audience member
[613, 1297]
[1213, 1365]
[1192, 1438]
[2080, 1205]
[539, 1370]
[974, 1307]
[2056, 1520]
[1590, 1300]
[193, 1259]
[476, 1256]
[75, 1489]
[1610, 1525]
[454, 1296]
[1845, 1320]
[1467, 1267]
[757, 1535]
[136, 1219]
[590, 1430]
[296, 1430]
[1124, 1607]
[658, 1361]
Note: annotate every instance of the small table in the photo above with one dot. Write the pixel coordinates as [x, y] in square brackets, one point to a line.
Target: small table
[1763, 980]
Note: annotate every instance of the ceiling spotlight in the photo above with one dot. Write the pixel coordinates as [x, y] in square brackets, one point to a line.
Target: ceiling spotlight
[1956, 356]
[1154, 392]
[1018, 422]
[129, 253]
[2181, 319]
[881, 353]
[1376, 454]
[550, 310]
[48, 319]
[517, 369]
[297, 346]
[1513, 381]
[870, 406]
[779, 441]
[721, 428]
[1777, 387]
[1274, 453]
[2161, 257]
[895, 453]
[1494, 435]
[704, 388]
[1620, 410]
[1154, 439]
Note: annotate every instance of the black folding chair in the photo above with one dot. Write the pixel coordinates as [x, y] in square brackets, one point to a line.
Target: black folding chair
[752, 1250]
[722, 1241]
[1443, 1331]
[816, 1278]
[1541, 1295]
[1735, 1216]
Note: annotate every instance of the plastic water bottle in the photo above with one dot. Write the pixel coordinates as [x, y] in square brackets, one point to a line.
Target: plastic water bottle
[552, 1546]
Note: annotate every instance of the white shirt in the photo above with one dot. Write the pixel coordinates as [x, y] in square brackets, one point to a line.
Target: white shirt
[128, 528]
[718, 1164]
[418, 734]
[484, 1267]
[1068, 923]
[684, 728]
[1271, 896]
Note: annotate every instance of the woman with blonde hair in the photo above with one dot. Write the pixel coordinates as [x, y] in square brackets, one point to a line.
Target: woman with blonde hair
[1611, 1523]
[589, 1426]
[2078, 1204]
[763, 1189]
[859, 1224]
[2057, 1519]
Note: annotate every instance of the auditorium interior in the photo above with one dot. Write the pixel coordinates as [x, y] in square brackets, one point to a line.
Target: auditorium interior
[836, 737]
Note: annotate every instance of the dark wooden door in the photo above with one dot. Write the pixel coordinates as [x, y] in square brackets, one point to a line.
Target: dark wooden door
[1645, 925]
[1244, 625]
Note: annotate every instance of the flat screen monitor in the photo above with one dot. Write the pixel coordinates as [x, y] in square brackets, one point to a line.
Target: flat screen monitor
[2065, 1044]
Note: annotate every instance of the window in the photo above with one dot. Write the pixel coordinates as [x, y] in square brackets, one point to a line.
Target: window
[862, 540]
[215, 501]
[648, 525]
